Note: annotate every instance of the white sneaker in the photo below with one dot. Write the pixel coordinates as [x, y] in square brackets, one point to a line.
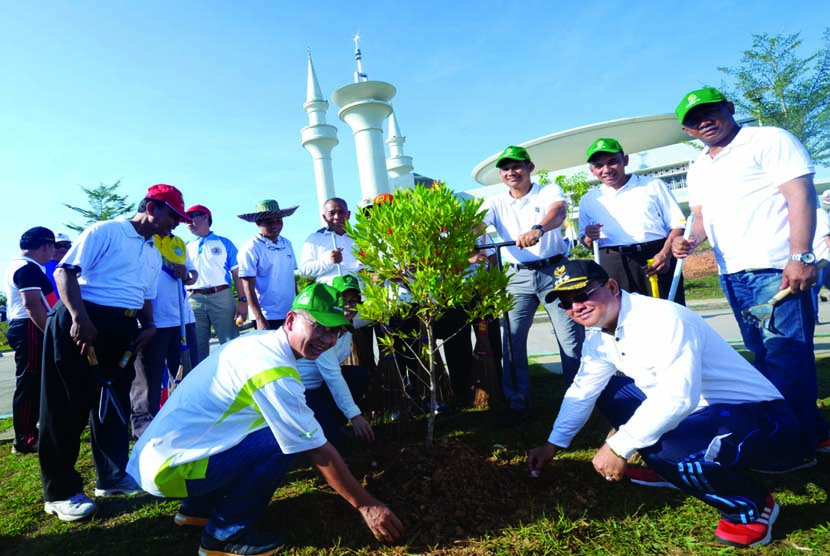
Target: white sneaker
[126, 487]
[73, 509]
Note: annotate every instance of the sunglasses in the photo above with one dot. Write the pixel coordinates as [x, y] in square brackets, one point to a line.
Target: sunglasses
[580, 297]
[63, 245]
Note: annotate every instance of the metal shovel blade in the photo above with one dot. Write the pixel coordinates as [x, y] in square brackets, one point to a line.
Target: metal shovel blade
[759, 315]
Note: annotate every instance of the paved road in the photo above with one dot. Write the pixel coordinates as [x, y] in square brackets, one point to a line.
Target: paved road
[541, 343]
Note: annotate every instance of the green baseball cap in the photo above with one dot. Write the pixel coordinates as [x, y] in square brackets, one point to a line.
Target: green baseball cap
[603, 145]
[513, 153]
[322, 302]
[345, 282]
[706, 95]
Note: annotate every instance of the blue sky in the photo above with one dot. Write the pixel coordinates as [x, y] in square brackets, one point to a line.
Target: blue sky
[207, 95]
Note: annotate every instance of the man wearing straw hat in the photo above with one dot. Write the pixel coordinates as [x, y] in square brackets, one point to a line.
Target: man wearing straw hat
[266, 266]
[328, 251]
[633, 218]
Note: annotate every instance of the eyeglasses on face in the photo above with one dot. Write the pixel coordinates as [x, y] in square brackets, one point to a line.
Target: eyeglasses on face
[580, 297]
[322, 331]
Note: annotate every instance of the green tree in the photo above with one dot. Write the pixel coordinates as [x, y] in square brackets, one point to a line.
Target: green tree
[416, 248]
[105, 204]
[574, 187]
[780, 88]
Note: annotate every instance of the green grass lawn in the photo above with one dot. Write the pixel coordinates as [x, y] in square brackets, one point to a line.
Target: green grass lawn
[575, 511]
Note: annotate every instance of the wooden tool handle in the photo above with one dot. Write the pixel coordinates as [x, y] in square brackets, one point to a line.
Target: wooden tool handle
[91, 357]
[780, 295]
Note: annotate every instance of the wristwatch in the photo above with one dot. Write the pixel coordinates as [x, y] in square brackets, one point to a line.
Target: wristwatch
[804, 258]
[538, 227]
[243, 299]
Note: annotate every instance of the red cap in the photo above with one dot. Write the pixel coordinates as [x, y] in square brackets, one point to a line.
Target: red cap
[171, 196]
[199, 208]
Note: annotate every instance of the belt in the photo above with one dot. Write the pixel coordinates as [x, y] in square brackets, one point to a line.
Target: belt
[114, 310]
[541, 263]
[636, 247]
[209, 291]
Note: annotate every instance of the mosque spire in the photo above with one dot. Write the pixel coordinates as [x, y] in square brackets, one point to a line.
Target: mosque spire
[398, 164]
[359, 75]
[319, 137]
[313, 92]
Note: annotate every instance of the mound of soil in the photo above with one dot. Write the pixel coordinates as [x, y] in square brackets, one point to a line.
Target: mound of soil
[700, 264]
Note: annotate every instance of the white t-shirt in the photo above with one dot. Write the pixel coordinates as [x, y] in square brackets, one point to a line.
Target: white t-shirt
[512, 217]
[167, 306]
[642, 210]
[744, 213]
[315, 259]
[679, 362]
[248, 384]
[273, 265]
[326, 368]
[214, 257]
[116, 267]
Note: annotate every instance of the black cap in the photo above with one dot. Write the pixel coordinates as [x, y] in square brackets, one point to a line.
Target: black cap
[575, 275]
[35, 237]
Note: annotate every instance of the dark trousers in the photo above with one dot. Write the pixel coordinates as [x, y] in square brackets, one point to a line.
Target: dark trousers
[709, 453]
[454, 329]
[321, 402]
[69, 399]
[627, 270]
[26, 340]
[161, 354]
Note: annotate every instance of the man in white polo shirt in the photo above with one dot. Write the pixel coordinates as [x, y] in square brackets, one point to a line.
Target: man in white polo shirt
[634, 219]
[211, 297]
[697, 412]
[751, 190]
[531, 216]
[266, 266]
[225, 440]
[106, 280]
[328, 251]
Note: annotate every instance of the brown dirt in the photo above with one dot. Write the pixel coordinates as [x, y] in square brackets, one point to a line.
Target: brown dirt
[700, 264]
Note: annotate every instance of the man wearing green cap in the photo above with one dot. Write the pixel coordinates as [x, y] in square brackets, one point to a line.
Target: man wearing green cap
[266, 266]
[332, 388]
[698, 413]
[531, 216]
[634, 219]
[225, 440]
[751, 190]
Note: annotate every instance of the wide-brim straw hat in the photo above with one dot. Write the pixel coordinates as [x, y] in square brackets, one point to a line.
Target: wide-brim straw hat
[267, 208]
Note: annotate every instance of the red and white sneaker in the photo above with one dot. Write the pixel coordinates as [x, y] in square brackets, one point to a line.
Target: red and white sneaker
[823, 447]
[743, 535]
[646, 477]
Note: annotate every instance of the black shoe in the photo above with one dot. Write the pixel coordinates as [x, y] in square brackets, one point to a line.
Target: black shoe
[513, 418]
[252, 542]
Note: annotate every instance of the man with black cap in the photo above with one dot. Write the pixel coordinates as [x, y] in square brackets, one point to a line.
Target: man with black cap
[531, 216]
[30, 296]
[106, 280]
[752, 193]
[699, 415]
[634, 219]
[210, 296]
[266, 266]
[224, 442]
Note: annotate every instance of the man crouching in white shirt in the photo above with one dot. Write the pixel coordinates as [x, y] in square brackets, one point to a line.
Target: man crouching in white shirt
[697, 412]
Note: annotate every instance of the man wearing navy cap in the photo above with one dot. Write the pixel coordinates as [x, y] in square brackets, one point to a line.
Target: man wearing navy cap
[699, 415]
[30, 296]
[106, 280]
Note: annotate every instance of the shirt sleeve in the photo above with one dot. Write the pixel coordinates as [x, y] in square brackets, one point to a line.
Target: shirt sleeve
[673, 216]
[30, 277]
[329, 368]
[282, 404]
[247, 261]
[785, 158]
[314, 259]
[231, 254]
[88, 249]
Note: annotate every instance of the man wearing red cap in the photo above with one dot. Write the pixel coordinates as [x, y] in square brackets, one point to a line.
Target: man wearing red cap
[211, 297]
[106, 282]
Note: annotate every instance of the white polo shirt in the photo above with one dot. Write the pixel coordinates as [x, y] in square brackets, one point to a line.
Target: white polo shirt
[679, 362]
[512, 217]
[326, 368]
[247, 385]
[744, 213]
[640, 211]
[115, 266]
[315, 258]
[214, 257]
[167, 306]
[273, 265]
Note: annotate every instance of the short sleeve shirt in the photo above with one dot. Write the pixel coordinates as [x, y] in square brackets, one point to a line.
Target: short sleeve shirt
[116, 267]
[512, 217]
[640, 211]
[272, 264]
[25, 274]
[744, 212]
[214, 257]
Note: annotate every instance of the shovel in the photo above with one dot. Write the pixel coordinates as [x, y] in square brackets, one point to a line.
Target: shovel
[759, 315]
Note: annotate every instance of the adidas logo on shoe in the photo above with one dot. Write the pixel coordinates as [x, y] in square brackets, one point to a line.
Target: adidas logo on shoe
[756, 533]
